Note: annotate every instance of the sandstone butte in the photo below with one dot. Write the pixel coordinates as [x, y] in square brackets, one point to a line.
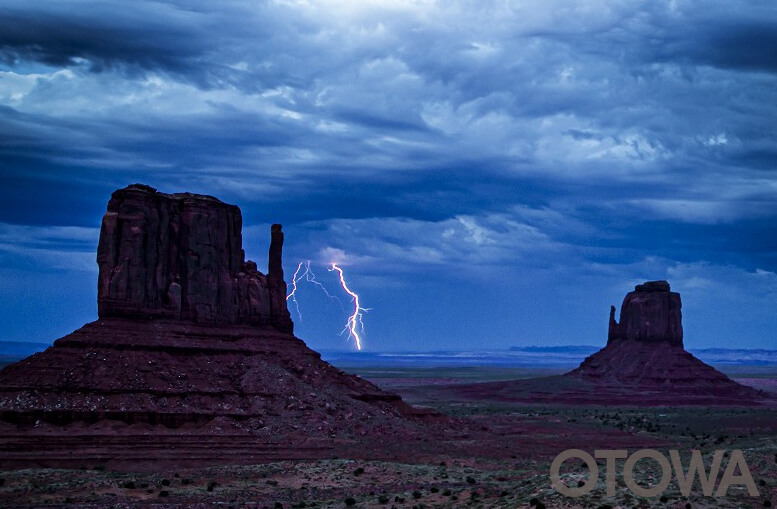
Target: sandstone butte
[193, 360]
[643, 364]
[192, 341]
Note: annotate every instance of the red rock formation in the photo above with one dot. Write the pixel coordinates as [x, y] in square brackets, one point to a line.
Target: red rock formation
[174, 372]
[190, 336]
[644, 363]
[645, 352]
[651, 313]
[181, 256]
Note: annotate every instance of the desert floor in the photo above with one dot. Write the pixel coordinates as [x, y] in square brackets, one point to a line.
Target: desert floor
[502, 460]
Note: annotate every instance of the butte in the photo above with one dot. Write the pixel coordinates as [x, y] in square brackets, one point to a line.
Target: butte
[192, 360]
[643, 364]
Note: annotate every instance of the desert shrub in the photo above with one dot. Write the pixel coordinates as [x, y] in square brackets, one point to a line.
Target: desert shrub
[383, 499]
[358, 471]
[130, 485]
[164, 493]
[350, 501]
[417, 494]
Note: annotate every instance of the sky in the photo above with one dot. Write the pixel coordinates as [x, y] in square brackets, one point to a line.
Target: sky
[487, 173]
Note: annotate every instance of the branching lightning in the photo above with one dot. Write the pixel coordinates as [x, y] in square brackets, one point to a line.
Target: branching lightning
[355, 320]
[294, 288]
[354, 325]
[308, 276]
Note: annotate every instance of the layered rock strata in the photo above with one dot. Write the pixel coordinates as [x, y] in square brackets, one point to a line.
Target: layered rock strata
[651, 313]
[645, 351]
[644, 363]
[181, 256]
[191, 339]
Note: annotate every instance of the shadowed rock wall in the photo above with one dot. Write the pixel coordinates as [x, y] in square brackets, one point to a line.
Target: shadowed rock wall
[180, 256]
[651, 313]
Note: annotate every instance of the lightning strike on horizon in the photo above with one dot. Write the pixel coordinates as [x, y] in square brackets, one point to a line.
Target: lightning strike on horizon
[358, 311]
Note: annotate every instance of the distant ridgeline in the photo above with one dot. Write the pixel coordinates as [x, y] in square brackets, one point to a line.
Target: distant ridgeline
[527, 357]
[519, 356]
[581, 349]
[11, 351]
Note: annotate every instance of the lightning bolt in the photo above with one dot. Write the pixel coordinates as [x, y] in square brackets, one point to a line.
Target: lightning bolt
[310, 277]
[294, 288]
[358, 311]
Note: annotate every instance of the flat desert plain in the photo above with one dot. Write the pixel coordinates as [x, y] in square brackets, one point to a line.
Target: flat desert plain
[500, 456]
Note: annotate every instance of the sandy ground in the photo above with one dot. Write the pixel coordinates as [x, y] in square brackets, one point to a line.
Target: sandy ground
[503, 460]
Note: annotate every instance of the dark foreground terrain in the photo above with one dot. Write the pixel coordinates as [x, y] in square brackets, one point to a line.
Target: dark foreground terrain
[499, 457]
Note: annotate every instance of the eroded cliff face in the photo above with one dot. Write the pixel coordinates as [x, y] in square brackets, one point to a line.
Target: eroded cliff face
[180, 256]
[651, 313]
[191, 336]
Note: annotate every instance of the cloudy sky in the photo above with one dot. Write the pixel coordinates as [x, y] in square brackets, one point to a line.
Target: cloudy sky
[488, 173]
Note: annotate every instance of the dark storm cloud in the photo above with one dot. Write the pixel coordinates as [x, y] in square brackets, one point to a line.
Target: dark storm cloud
[106, 41]
[725, 35]
[570, 145]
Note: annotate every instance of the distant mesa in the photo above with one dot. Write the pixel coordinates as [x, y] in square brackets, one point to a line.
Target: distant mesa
[643, 363]
[192, 340]
[645, 350]
[651, 313]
